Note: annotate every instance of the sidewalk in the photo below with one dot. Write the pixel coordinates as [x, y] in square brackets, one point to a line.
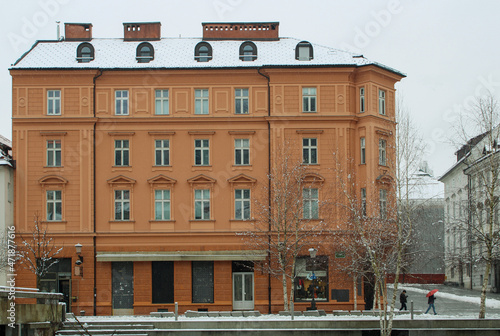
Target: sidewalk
[449, 300]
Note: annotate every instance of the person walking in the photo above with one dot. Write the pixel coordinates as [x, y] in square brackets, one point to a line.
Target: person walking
[403, 298]
[430, 301]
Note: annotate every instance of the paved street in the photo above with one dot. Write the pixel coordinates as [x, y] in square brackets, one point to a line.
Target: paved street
[447, 302]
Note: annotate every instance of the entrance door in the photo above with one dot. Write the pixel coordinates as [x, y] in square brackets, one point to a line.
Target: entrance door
[123, 287]
[243, 291]
[65, 289]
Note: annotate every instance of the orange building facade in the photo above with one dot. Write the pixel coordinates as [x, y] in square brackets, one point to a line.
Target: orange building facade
[149, 153]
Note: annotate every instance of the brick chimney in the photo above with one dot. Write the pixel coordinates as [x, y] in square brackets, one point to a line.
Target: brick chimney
[256, 31]
[142, 31]
[78, 31]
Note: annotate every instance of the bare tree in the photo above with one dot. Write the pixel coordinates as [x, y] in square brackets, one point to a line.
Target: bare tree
[384, 232]
[287, 221]
[37, 252]
[483, 171]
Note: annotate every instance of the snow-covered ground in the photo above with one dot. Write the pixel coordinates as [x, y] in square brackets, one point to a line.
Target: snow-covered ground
[451, 303]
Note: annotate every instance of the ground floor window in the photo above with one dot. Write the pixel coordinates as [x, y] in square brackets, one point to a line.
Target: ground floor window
[162, 282]
[203, 281]
[311, 278]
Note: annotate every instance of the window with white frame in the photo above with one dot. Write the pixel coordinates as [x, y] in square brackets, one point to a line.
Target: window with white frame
[309, 99]
[310, 203]
[363, 202]
[122, 205]
[241, 152]
[122, 154]
[383, 203]
[54, 205]
[242, 204]
[202, 204]
[121, 102]
[53, 153]
[201, 101]
[201, 152]
[381, 102]
[362, 144]
[162, 205]
[53, 102]
[309, 150]
[161, 102]
[162, 152]
[241, 101]
[382, 152]
[361, 100]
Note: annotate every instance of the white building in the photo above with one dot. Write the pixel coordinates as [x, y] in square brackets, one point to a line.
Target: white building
[465, 198]
[6, 201]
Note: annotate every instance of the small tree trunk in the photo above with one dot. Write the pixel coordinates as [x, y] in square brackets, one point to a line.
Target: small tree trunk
[355, 292]
[482, 306]
[285, 292]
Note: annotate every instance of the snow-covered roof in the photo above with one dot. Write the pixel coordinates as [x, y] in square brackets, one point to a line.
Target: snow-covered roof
[424, 186]
[115, 53]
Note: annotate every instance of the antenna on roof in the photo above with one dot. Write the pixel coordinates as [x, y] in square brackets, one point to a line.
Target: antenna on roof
[58, 30]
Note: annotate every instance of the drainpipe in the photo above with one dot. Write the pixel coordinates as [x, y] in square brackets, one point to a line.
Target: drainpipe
[469, 229]
[269, 181]
[99, 74]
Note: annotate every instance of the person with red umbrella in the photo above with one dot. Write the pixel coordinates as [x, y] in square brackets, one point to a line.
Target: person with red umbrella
[430, 301]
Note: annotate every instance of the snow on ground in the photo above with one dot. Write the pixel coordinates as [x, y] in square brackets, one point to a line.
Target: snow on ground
[490, 303]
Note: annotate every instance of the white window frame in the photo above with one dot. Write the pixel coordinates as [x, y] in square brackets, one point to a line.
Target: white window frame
[362, 145]
[163, 210]
[162, 102]
[310, 203]
[201, 202]
[53, 102]
[241, 101]
[121, 102]
[383, 203]
[54, 153]
[308, 149]
[202, 149]
[382, 152]
[242, 204]
[201, 102]
[162, 152]
[54, 203]
[362, 100]
[381, 102]
[122, 147]
[122, 200]
[309, 100]
[242, 152]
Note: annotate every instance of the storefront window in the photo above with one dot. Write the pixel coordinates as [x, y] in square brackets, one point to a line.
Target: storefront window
[311, 273]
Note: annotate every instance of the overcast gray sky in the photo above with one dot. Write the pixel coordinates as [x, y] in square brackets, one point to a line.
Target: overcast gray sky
[449, 49]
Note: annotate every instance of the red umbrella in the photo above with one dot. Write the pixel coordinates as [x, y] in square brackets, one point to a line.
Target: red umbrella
[432, 292]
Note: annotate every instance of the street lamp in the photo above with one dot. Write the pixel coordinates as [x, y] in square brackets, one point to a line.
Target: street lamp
[312, 253]
[79, 262]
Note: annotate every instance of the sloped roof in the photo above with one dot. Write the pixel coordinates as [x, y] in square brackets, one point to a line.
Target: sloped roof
[172, 53]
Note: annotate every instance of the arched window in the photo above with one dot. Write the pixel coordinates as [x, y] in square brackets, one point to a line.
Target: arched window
[304, 51]
[85, 53]
[248, 52]
[145, 53]
[203, 52]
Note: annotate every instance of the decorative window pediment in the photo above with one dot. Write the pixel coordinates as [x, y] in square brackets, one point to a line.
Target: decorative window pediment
[313, 178]
[161, 179]
[202, 178]
[384, 178]
[52, 180]
[121, 179]
[242, 178]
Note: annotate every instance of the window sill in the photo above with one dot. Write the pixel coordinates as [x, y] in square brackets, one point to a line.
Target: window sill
[162, 220]
[54, 222]
[243, 220]
[121, 168]
[122, 221]
[309, 112]
[202, 220]
[161, 168]
[207, 168]
[242, 167]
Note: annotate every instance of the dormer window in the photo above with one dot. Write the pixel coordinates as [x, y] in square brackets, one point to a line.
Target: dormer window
[203, 52]
[85, 53]
[145, 52]
[248, 52]
[304, 51]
